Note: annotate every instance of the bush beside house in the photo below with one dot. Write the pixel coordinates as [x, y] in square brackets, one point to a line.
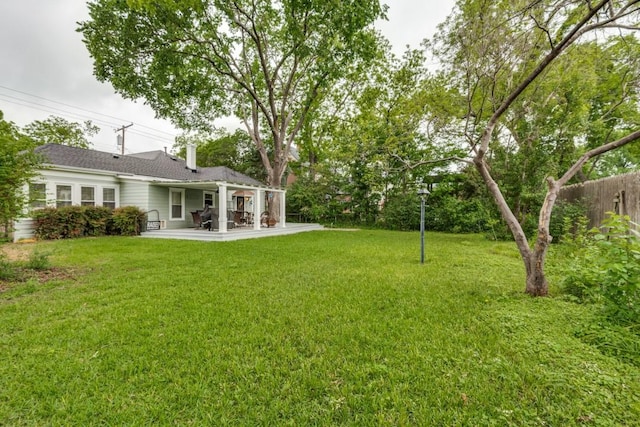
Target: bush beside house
[79, 221]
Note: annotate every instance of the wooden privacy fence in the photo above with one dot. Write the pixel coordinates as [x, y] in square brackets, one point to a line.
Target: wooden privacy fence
[619, 194]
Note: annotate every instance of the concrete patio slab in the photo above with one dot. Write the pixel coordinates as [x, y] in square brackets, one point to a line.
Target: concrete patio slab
[233, 234]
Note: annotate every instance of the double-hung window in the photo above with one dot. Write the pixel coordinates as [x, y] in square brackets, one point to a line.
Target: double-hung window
[37, 195]
[87, 196]
[63, 195]
[176, 197]
[208, 199]
[109, 198]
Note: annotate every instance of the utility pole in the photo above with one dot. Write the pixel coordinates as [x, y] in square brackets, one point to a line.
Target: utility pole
[122, 136]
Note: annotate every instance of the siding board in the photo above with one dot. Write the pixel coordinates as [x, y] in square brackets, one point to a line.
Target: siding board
[134, 194]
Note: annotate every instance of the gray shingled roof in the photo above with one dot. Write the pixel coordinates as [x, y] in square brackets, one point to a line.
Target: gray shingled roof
[155, 164]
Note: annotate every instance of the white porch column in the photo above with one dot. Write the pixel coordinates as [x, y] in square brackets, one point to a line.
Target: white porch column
[222, 208]
[283, 210]
[257, 208]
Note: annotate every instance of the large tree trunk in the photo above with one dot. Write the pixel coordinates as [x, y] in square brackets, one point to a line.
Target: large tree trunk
[537, 284]
[536, 281]
[274, 179]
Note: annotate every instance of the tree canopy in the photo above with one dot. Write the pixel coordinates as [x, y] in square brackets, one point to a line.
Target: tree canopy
[269, 63]
[18, 165]
[57, 130]
[520, 69]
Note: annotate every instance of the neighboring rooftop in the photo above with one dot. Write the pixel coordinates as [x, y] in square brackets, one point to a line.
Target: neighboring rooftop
[156, 164]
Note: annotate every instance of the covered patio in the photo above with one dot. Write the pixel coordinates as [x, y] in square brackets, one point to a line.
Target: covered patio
[228, 199]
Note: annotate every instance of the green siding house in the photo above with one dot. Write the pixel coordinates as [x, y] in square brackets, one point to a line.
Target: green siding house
[167, 187]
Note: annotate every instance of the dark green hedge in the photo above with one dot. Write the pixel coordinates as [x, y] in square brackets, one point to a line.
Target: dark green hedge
[78, 221]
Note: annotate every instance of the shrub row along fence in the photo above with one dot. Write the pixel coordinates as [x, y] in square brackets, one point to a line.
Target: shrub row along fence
[80, 221]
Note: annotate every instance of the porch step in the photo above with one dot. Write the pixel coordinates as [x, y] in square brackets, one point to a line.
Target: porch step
[234, 234]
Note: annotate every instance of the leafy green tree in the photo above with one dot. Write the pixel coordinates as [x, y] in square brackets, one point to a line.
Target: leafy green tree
[613, 108]
[18, 165]
[314, 198]
[270, 63]
[391, 136]
[587, 97]
[499, 55]
[56, 130]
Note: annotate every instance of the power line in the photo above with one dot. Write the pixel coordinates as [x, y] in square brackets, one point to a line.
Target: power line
[57, 102]
[172, 135]
[76, 116]
[51, 109]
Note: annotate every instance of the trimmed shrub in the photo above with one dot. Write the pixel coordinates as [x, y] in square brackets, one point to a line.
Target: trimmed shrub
[96, 220]
[60, 223]
[127, 221]
[73, 221]
[47, 224]
[78, 221]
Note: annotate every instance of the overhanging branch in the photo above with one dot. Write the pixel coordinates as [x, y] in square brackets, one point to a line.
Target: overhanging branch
[596, 152]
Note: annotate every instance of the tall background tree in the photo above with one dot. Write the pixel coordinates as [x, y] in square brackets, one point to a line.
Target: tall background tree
[222, 148]
[18, 165]
[57, 130]
[269, 63]
[374, 142]
[518, 67]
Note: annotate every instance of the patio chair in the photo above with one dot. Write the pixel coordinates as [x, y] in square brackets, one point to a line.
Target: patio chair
[240, 218]
[266, 220]
[214, 220]
[197, 218]
[209, 218]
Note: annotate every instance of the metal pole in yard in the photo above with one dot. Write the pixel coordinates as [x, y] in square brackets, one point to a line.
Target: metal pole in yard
[423, 193]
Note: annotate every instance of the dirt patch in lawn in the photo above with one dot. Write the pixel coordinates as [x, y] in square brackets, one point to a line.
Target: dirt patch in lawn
[13, 258]
[22, 275]
[16, 251]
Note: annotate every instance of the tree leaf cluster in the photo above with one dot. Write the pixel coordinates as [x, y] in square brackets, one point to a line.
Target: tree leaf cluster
[57, 130]
[17, 167]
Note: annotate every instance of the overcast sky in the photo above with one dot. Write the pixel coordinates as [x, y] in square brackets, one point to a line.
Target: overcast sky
[46, 70]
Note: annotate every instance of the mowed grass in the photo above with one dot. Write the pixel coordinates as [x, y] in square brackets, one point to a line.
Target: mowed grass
[322, 328]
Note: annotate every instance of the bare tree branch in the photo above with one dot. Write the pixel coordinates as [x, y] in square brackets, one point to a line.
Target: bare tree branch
[596, 152]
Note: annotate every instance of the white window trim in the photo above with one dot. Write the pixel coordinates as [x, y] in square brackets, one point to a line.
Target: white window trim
[213, 198]
[115, 195]
[182, 203]
[46, 197]
[55, 192]
[95, 194]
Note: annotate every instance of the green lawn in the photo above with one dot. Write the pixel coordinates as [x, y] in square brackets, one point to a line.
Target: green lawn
[322, 328]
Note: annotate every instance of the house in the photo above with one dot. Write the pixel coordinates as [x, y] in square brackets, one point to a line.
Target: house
[164, 186]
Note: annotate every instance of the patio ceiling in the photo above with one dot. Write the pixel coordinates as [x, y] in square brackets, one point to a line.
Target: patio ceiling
[207, 185]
